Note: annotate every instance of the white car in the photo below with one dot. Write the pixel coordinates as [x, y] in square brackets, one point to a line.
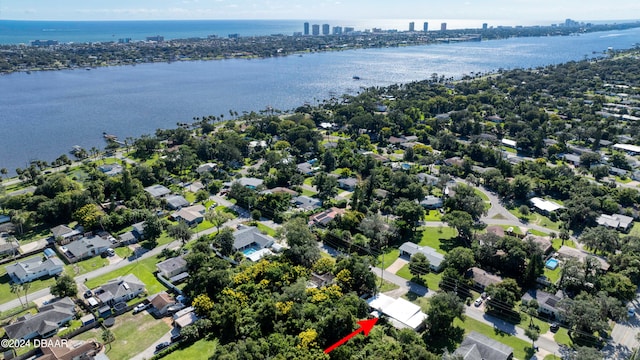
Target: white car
[478, 302]
[140, 307]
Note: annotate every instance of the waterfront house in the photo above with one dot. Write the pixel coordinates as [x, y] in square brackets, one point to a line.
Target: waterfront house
[34, 268]
[43, 324]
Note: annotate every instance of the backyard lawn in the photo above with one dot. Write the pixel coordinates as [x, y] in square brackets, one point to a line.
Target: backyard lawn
[437, 238]
[389, 257]
[133, 334]
[143, 269]
[200, 350]
[432, 279]
[433, 215]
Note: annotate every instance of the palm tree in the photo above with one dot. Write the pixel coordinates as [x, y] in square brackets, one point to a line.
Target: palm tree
[108, 337]
[25, 288]
[15, 289]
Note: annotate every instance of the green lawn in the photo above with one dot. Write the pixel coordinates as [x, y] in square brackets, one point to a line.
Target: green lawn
[557, 243]
[433, 215]
[389, 257]
[538, 219]
[438, 238]
[621, 180]
[562, 337]
[519, 346]
[308, 181]
[635, 230]
[481, 194]
[308, 192]
[85, 266]
[418, 300]
[133, 334]
[386, 285]
[143, 269]
[537, 232]
[200, 350]
[266, 230]
[432, 279]
[552, 275]
[5, 288]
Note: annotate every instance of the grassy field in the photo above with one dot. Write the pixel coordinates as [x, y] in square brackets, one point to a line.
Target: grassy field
[552, 275]
[557, 243]
[433, 215]
[438, 238]
[635, 230]
[143, 269]
[306, 192]
[85, 266]
[537, 219]
[389, 257]
[200, 350]
[521, 348]
[418, 300]
[133, 334]
[562, 337]
[266, 230]
[386, 285]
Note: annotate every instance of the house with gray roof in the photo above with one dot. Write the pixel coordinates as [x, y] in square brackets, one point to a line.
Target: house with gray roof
[85, 248]
[547, 303]
[206, 167]
[138, 230]
[432, 202]
[175, 202]
[34, 268]
[348, 184]
[305, 168]
[111, 169]
[66, 233]
[409, 249]
[250, 237]
[43, 324]
[121, 289]
[306, 203]
[476, 346]
[428, 179]
[157, 191]
[481, 279]
[191, 215]
[172, 267]
[248, 182]
[615, 221]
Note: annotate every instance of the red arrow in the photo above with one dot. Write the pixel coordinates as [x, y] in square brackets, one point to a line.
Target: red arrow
[365, 326]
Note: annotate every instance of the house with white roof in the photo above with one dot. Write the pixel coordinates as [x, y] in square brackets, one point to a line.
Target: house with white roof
[615, 221]
[545, 206]
[402, 314]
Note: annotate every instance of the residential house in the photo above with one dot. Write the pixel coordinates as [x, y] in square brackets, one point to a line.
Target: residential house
[205, 168]
[408, 249]
[401, 313]
[454, 161]
[547, 303]
[34, 268]
[172, 267]
[191, 215]
[305, 168]
[248, 182]
[9, 248]
[175, 202]
[249, 237]
[629, 149]
[325, 217]
[432, 202]
[495, 119]
[428, 179]
[255, 256]
[280, 190]
[543, 242]
[617, 171]
[85, 248]
[157, 191]
[481, 279]
[306, 203]
[319, 280]
[572, 159]
[111, 169]
[43, 324]
[348, 184]
[545, 206]
[509, 143]
[476, 346]
[184, 317]
[569, 252]
[161, 302]
[64, 234]
[615, 221]
[58, 349]
[128, 238]
[121, 289]
[138, 230]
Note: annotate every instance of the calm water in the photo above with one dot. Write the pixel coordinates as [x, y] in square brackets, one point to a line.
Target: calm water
[43, 114]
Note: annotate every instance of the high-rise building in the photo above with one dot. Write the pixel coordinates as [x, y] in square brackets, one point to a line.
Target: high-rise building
[306, 28]
[484, 26]
[425, 26]
[325, 29]
[315, 29]
[412, 26]
[348, 29]
[443, 27]
[337, 30]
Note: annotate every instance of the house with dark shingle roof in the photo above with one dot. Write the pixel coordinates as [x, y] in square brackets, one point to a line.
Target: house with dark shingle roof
[547, 303]
[172, 267]
[476, 346]
[85, 248]
[175, 202]
[250, 237]
[34, 268]
[306, 203]
[157, 191]
[482, 279]
[43, 324]
[408, 249]
[121, 289]
[348, 184]
[161, 302]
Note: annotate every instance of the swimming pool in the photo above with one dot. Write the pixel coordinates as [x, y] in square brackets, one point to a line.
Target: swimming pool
[249, 251]
[551, 264]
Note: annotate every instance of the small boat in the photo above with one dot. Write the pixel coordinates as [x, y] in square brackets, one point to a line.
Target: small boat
[355, 77]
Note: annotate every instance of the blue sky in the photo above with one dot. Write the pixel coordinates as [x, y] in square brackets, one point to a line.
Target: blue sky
[508, 11]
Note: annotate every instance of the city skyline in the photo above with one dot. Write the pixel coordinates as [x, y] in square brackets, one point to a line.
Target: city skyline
[492, 11]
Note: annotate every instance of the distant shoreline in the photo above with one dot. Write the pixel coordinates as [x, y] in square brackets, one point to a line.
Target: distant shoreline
[50, 55]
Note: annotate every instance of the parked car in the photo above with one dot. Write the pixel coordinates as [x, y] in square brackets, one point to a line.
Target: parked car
[175, 308]
[478, 302]
[88, 294]
[176, 337]
[140, 307]
[631, 312]
[554, 327]
[163, 345]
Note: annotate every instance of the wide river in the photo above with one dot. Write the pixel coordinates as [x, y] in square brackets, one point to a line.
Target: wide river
[43, 114]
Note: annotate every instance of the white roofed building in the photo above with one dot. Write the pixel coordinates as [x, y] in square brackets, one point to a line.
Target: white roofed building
[402, 314]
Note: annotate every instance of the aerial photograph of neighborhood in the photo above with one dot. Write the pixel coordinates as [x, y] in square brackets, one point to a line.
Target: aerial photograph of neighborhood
[244, 180]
